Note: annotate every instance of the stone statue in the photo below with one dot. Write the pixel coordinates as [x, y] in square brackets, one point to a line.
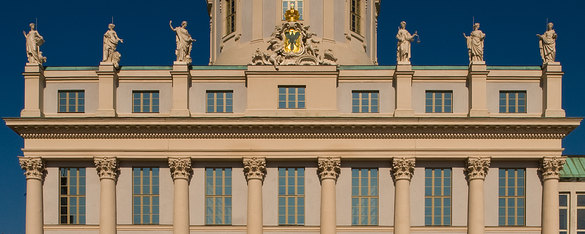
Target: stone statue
[548, 44]
[33, 41]
[111, 40]
[184, 42]
[475, 44]
[403, 46]
[292, 15]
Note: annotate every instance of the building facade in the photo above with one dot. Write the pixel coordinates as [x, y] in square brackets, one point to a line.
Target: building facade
[277, 148]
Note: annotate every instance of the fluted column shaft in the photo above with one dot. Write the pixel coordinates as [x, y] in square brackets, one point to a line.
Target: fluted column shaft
[402, 169]
[328, 171]
[181, 172]
[107, 170]
[255, 170]
[550, 168]
[35, 174]
[476, 169]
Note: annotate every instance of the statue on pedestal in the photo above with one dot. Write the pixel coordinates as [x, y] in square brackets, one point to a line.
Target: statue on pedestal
[111, 40]
[475, 44]
[547, 44]
[33, 41]
[184, 42]
[404, 43]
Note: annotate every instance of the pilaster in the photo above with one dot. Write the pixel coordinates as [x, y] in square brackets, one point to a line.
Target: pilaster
[255, 171]
[108, 82]
[328, 172]
[477, 83]
[108, 170]
[181, 173]
[403, 85]
[34, 84]
[181, 83]
[35, 175]
[550, 169]
[402, 171]
[552, 77]
[476, 169]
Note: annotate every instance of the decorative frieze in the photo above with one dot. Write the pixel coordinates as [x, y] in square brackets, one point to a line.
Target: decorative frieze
[107, 167]
[255, 168]
[403, 168]
[180, 168]
[34, 167]
[329, 168]
[477, 167]
[551, 167]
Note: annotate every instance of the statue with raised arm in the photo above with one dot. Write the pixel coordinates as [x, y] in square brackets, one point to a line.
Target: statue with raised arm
[184, 42]
[475, 44]
[404, 42]
[548, 44]
[111, 40]
[33, 41]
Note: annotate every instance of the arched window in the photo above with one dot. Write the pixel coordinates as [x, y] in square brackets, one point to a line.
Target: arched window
[298, 5]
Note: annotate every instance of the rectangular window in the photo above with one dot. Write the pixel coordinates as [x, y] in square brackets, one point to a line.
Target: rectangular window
[72, 196]
[512, 101]
[219, 102]
[563, 213]
[218, 196]
[230, 16]
[356, 16]
[286, 4]
[512, 197]
[364, 196]
[291, 196]
[145, 195]
[364, 101]
[439, 102]
[71, 101]
[145, 101]
[291, 97]
[437, 197]
[580, 213]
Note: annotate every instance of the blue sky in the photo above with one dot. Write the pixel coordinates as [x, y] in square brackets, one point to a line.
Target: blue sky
[73, 33]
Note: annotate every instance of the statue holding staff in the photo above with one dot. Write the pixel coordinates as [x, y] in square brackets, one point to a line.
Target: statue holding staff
[548, 44]
[475, 44]
[404, 43]
[33, 41]
[111, 40]
[184, 42]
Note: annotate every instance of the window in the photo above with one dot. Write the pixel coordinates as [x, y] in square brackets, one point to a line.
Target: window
[563, 213]
[71, 101]
[218, 196]
[364, 101]
[219, 102]
[72, 196]
[291, 97]
[356, 16]
[291, 196]
[437, 197]
[364, 196]
[145, 102]
[512, 101]
[298, 6]
[439, 102]
[511, 197]
[580, 213]
[230, 16]
[145, 195]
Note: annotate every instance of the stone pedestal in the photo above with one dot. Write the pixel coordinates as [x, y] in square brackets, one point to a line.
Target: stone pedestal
[476, 170]
[552, 77]
[550, 168]
[34, 84]
[35, 174]
[255, 170]
[107, 170]
[477, 82]
[328, 171]
[181, 172]
[108, 81]
[403, 86]
[181, 84]
[402, 171]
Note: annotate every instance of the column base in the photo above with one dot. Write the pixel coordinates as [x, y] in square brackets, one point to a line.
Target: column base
[404, 113]
[479, 113]
[31, 113]
[105, 113]
[180, 113]
[554, 113]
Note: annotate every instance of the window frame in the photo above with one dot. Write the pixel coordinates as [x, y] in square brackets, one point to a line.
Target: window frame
[297, 96]
[230, 16]
[215, 99]
[360, 198]
[79, 197]
[153, 196]
[355, 16]
[434, 99]
[67, 99]
[141, 100]
[285, 196]
[567, 208]
[516, 104]
[577, 208]
[211, 193]
[433, 197]
[506, 189]
[370, 99]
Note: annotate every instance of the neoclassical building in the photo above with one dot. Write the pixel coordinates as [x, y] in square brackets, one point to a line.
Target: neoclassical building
[294, 128]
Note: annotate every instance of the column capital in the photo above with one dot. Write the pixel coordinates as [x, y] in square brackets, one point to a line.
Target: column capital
[107, 167]
[551, 166]
[329, 168]
[403, 168]
[180, 168]
[477, 167]
[255, 168]
[34, 167]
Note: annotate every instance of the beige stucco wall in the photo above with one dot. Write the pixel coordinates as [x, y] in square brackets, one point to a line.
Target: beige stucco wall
[198, 96]
[460, 97]
[533, 97]
[385, 91]
[124, 97]
[51, 97]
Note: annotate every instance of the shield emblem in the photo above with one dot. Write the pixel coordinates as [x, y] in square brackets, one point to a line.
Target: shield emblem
[292, 41]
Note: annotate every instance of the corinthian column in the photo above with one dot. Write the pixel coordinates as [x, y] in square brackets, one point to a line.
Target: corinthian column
[181, 172]
[255, 170]
[402, 170]
[107, 169]
[550, 168]
[328, 171]
[35, 175]
[476, 169]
